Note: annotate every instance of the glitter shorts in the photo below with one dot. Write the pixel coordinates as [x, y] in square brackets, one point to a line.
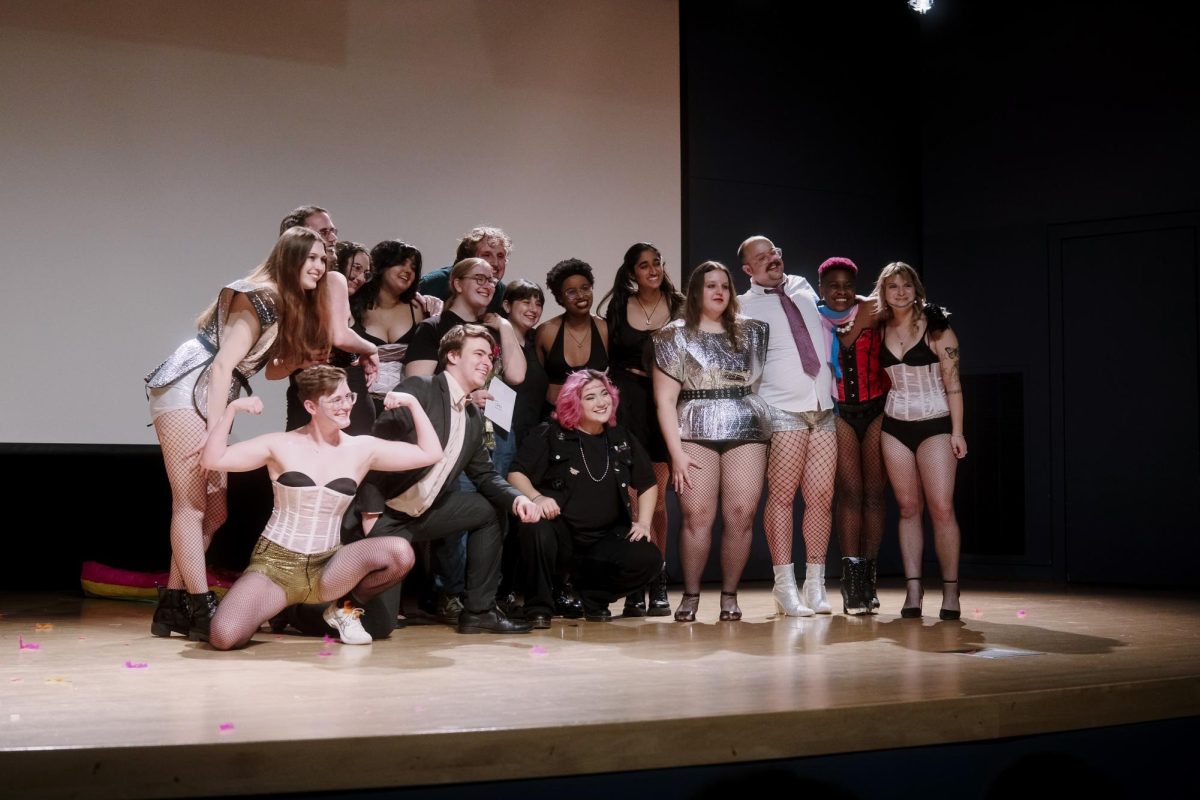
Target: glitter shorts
[802, 420]
[298, 574]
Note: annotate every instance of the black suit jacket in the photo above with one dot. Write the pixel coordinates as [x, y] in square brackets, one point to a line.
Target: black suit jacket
[397, 425]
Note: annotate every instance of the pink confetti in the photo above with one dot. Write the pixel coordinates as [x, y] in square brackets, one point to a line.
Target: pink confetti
[24, 645]
[537, 650]
[43, 627]
[1021, 614]
[225, 727]
[325, 653]
[328, 639]
[81, 638]
[135, 665]
[978, 614]
[16, 680]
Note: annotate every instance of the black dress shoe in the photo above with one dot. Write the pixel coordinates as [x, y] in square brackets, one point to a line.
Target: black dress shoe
[491, 621]
[567, 603]
[597, 614]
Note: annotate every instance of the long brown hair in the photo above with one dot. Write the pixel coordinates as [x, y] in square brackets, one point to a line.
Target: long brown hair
[695, 302]
[303, 333]
[904, 271]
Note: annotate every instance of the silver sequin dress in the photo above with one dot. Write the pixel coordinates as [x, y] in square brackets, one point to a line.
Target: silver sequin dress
[704, 362]
[198, 353]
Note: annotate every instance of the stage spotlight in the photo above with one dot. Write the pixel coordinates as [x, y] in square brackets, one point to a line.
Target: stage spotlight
[920, 6]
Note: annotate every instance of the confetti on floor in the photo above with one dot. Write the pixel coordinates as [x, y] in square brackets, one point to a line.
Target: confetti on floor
[24, 645]
[538, 650]
[1021, 614]
[225, 727]
[136, 665]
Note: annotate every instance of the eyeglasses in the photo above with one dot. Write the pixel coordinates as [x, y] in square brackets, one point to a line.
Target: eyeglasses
[359, 272]
[571, 294]
[775, 252]
[480, 280]
[327, 232]
[342, 399]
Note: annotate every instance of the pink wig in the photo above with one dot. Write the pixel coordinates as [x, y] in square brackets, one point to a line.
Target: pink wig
[569, 407]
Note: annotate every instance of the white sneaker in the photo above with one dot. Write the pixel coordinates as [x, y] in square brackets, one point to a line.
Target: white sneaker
[345, 619]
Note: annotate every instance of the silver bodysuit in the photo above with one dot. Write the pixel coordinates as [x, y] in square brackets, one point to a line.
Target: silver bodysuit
[198, 353]
[705, 364]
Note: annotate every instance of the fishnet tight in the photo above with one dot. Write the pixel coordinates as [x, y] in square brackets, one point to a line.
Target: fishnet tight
[920, 481]
[806, 460]
[362, 569]
[658, 523]
[198, 496]
[861, 480]
[735, 480]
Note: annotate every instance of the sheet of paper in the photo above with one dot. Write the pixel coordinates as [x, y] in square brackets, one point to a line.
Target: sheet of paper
[500, 409]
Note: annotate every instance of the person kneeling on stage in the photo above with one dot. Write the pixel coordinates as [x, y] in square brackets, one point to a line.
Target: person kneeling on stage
[578, 468]
[315, 471]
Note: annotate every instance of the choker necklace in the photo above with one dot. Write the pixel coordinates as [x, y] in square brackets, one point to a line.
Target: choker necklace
[649, 314]
[587, 469]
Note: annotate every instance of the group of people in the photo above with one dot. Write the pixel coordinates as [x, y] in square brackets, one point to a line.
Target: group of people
[562, 503]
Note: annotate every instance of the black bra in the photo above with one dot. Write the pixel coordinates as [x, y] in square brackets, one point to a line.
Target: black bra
[341, 485]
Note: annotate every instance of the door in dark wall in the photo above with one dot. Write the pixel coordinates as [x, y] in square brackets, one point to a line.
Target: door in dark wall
[1129, 406]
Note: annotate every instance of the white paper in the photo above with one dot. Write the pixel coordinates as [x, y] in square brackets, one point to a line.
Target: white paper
[500, 408]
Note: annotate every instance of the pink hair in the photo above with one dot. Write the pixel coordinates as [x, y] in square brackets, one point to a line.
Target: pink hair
[569, 407]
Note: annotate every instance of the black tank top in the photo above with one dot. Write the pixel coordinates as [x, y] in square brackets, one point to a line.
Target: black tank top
[557, 368]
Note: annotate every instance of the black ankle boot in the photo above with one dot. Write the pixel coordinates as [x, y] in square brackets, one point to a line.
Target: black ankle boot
[853, 579]
[660, 606]
[172, 614]
[566, 601]
[870, 593]
[204, 606]
[635, 604]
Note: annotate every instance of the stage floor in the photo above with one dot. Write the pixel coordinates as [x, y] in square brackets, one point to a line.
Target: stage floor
[92, 705]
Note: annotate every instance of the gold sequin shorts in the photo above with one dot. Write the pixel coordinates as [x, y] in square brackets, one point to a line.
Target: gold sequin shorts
[298, 574]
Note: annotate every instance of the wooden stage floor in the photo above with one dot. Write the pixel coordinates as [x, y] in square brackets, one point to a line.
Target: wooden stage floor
[92, 705]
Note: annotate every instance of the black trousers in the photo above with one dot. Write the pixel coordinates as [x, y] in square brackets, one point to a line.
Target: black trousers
[602, 570]
[453, 513]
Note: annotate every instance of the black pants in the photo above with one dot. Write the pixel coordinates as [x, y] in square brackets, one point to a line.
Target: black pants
[603, 570]
[452, 514]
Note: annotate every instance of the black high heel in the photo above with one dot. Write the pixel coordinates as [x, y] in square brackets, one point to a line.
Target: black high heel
[732, 613]
[949, 613]
[913, 612]
[686, 612]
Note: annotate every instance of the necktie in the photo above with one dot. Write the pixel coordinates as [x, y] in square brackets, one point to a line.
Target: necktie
[808, 356]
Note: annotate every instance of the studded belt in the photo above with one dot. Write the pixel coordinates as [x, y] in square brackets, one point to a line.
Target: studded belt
[732, 393]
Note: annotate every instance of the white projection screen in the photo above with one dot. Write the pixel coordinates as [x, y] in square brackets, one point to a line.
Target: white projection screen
[149, 148]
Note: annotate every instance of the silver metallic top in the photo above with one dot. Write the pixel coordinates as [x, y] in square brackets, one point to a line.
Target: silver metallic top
[198, 353]
[703, 361]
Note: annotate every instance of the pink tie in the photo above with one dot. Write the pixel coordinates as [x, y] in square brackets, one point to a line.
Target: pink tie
[808, 356]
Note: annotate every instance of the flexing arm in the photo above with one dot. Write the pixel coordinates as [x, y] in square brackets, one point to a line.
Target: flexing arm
[241, 332]
[946, 346]
[218, 454]
[392, 456]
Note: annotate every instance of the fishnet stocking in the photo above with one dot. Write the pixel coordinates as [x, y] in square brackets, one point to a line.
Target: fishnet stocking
[364, 569]
[920, 480]
[734, 479]
[861, 480]
[806, 460]
[658, 524]
[198, 498]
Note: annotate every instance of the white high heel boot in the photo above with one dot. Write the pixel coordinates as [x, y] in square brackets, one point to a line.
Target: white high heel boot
[787, 598]
[814, 589]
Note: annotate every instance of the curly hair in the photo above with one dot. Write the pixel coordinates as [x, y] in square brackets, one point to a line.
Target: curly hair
[564, 269]
[569, 408]
[385, 255]
[470, 243]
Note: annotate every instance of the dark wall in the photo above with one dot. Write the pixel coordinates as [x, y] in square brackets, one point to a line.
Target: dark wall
[981, 143]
